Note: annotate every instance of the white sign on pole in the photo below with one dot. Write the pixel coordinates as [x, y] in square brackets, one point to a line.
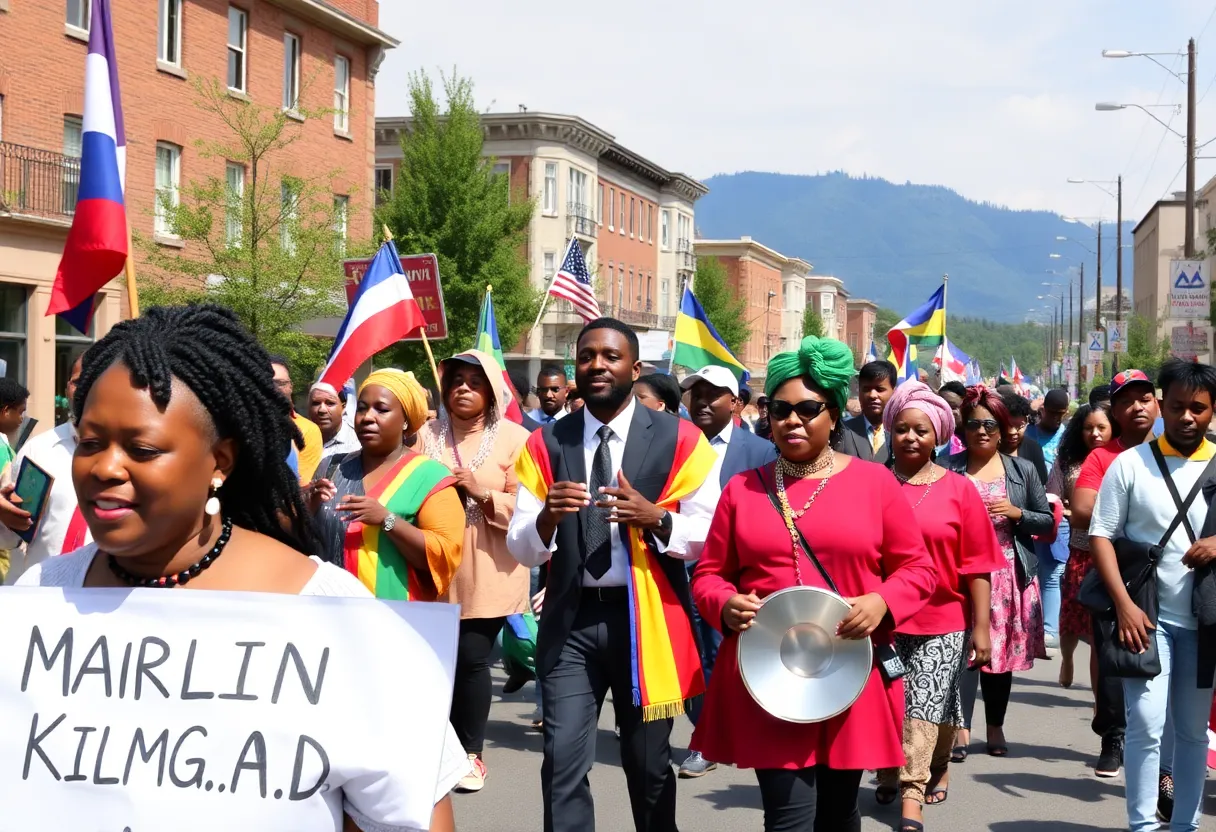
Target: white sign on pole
[195, 711]
[1097, 341]
[654, 345]
[1070, 363]
[1190, 292]
[1116, 337]
[1190, 342]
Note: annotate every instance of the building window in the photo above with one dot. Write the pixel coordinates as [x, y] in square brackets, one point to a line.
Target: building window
[611, 281]
[69, 345]
[600, 203]
[632, 207]
[170, 32]
[550, 264]
[622, 217]
[288, 209]
[683, 232]
[168, 183]
[550, 203]
[649, 288]
[384, 183]
[73, 138]
[665, 230]
[235, 176]
[238, 24]
[577, 194]
[341, 214]
[664, 296]
[13, 332]
[629, 288]
[611, 208]
[341, 93]
[78, 16]
[291, 71]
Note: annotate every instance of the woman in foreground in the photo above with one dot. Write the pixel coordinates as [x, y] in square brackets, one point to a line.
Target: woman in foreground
[182, 478]
[863, 531]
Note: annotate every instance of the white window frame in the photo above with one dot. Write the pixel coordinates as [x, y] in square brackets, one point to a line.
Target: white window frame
[665, 297]
[633, 202]
[172, 188]
[622, 217]
[291, 71]
[169, 36]
[73, 147]
[240, 50]
[550, 265]
[650, 223]
[289, 204]
[84, 9]
[577, 191]
[549, 203]
[234, 178]
[341, 219]
[611, 209]
[665, 229]
[599, 204]
[389, 190]
[341, 93]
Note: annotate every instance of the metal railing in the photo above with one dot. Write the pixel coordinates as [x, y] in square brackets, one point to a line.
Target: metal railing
[580, 220]
[686, 260]
[38, 182]
[631, 316]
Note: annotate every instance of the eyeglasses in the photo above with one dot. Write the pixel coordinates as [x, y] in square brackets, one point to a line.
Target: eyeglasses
[987, 425]
[807, 409]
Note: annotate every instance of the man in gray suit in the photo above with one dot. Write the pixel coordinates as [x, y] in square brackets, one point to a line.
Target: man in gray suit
[876, 385]
[713, 397]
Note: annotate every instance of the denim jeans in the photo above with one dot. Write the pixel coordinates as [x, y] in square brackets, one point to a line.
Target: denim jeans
[1148, 701]
[711, 639]
[1051, 572]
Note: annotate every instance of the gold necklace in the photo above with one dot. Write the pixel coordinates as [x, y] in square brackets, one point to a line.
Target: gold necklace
[929, 485]
[918, 477]
[789, 515]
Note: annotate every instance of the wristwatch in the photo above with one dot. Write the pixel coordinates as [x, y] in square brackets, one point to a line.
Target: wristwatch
[389, 522]
[665, 522]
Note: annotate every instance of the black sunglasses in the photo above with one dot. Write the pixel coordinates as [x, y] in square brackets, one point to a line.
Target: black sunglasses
[807, 409]
[989, 425]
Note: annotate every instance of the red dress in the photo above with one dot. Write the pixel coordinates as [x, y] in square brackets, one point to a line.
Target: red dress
[860, 527]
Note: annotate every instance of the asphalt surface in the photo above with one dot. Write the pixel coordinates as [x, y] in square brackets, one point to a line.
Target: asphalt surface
[1045, 785]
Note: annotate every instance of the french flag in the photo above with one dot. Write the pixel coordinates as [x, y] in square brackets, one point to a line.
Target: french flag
[96, 249]
[382, 312]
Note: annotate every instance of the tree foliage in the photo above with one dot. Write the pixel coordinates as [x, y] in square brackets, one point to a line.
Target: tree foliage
[1145, 351]
[448, 200]
[726, 311]
[991, 343]
[270, 251]
[812, 323]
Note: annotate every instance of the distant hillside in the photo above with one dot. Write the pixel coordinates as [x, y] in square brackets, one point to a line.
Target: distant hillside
[892, 243]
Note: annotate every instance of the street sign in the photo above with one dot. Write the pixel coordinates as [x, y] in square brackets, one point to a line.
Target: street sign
[1097, 341]
[1070, 363]
[1190, 292]
[1116, 337]
[422, 271]
[1190, 342]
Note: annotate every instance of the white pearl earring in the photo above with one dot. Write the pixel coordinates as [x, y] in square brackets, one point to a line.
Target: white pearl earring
[213, 502]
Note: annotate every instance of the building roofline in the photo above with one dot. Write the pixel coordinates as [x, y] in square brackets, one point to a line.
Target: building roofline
[1156, 205]
[339, 22]
[862, 302]
[748, 243]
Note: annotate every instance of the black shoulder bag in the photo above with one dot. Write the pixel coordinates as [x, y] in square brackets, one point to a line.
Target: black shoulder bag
[890, 665]
[1138, 570]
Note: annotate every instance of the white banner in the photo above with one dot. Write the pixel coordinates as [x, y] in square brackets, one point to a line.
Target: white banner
[1190, 342]
[1190, 292]
[654, 345]
[1116, 337]
[153, 709]
[1095, 341]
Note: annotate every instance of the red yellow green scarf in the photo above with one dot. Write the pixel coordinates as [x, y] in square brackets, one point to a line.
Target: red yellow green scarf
[369, 553]
[666, 664]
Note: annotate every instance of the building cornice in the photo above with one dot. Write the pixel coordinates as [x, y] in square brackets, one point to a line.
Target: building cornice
[858, 303]
[1158, 205]
[746, 247]
[339, 22]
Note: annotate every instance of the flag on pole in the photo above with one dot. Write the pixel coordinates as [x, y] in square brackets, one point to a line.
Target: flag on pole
[952, 362]
[382, 312]
[96, 248]
[487, 342]
[573, 283]
[974, 374]
[872, 354]
[698, 344]
[925, 327]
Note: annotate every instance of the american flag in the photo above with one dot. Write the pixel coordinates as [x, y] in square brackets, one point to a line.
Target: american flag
[573, 282]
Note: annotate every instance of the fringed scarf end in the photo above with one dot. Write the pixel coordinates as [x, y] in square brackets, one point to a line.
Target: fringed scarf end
[663, 710]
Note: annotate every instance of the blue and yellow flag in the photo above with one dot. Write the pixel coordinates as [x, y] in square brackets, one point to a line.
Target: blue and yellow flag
[698, 344]
[926, 327]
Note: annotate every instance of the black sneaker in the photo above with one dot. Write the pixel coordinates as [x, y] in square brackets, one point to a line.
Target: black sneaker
[1165, 797]
[1110, 761]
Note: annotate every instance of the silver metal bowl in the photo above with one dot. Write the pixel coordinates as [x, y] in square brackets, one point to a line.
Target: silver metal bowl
[792, 662]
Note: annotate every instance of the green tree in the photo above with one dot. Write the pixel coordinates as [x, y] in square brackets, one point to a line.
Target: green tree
[448, 200]
[812, 323]
[726, 311]
[269, 249]
[1145, 351]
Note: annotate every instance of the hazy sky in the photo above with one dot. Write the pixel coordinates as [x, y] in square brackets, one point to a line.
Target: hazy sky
[993, 99]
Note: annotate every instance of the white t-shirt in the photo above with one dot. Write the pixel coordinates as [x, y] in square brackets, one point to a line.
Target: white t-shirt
[70, 571]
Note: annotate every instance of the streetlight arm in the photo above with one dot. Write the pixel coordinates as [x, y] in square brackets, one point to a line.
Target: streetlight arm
[1149, 113]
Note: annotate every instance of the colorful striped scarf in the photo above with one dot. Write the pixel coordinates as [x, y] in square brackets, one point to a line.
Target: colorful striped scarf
[370, 553]
[665, 662]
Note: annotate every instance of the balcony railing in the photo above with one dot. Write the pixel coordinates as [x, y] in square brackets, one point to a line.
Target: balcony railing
[686, 260]
[38, 182]
[580, 220]
[631, 316]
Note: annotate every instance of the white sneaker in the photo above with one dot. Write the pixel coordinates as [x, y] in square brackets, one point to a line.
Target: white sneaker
[475, 780]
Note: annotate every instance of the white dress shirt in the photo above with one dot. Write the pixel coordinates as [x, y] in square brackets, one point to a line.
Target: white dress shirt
[53, 451]
[720, 442]
[344, 442]
[688, 527]
[544, 418]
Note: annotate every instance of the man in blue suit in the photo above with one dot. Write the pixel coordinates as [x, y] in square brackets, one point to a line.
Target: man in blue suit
[712, 399]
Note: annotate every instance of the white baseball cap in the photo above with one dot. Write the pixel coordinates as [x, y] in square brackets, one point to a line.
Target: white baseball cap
[715, 376]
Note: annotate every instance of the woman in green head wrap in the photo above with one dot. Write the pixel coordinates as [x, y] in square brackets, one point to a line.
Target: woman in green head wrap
[862, 530]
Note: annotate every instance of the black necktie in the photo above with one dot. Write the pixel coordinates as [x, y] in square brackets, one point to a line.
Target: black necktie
[595, 525]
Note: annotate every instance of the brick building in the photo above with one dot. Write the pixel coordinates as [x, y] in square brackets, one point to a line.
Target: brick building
[283, 53]
[859, 325]
[633, 219]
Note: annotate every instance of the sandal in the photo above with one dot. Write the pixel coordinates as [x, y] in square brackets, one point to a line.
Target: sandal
[958, 754]
[939, 793]
[909, 825]
[885, 795]
[998, 750]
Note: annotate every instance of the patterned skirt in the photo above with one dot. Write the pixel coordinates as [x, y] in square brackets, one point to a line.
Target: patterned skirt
[1074, 618]
[935, 665]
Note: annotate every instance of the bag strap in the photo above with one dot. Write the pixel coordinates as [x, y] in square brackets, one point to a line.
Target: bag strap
[804, 544]
[1183, 506]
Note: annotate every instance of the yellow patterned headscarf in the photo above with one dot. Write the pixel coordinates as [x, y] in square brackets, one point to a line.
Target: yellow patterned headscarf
[408, 391]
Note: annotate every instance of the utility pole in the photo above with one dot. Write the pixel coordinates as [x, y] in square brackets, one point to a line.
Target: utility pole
[1098, 307]
[1068, 346]
[1119, 266]
[1080, 315]
[1190, 150]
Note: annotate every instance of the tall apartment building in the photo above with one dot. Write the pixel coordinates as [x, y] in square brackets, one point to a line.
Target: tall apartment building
[773, 287]
[294, 54]
[632, 218]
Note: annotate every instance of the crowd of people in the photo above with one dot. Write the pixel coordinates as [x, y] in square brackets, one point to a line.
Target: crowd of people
[644, 521]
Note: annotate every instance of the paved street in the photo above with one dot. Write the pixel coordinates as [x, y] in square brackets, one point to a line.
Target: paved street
[1045, 785]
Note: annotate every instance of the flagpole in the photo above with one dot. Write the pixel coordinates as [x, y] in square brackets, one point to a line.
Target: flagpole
[132, 289]
[945, 285]
[544, 301]
[426, 344]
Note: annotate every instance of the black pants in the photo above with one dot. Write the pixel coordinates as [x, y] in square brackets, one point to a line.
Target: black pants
[816, 799]
[472, 692]
[996, 687]
[1110, 719]
[594, 660]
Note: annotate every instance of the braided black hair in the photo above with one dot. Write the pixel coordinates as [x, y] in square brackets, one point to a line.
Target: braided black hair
[207, 349]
